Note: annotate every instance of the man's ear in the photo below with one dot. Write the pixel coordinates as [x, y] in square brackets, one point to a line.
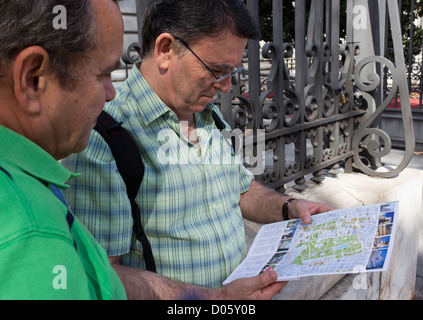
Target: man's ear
[30, 75]
[164, 50]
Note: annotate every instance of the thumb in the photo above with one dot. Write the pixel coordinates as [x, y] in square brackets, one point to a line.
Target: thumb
[267, 286]
[265, 279]
[260, 287]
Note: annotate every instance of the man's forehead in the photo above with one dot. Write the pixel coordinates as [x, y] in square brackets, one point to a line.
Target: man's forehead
[108, 14]
[110, 22]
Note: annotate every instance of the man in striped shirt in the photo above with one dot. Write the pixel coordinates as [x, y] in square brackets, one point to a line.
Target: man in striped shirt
[195, 192]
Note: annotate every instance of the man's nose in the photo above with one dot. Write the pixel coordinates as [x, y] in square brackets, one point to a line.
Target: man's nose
[224, 85]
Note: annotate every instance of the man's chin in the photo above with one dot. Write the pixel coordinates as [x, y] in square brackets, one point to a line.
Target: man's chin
[202, 105]
[80, 145]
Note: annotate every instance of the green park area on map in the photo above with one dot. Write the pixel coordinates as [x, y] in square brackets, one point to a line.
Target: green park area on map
[333, 247]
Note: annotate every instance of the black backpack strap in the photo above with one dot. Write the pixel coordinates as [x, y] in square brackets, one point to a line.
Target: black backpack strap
[221, 126]
[131, 168]
[219, 123]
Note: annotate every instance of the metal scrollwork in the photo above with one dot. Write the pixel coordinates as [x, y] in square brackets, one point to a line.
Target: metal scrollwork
[292, 108]
[270, 107]
[311, 104]
[128, 56]
[375, 141]
[328, 101]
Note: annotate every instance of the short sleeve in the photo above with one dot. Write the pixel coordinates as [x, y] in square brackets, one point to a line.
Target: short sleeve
[41, 267]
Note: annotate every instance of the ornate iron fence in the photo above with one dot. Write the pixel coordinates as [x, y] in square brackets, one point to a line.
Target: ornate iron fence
[324, 112]
[392, 116]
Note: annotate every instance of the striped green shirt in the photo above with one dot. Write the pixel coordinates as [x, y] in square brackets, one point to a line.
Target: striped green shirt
[189, 200]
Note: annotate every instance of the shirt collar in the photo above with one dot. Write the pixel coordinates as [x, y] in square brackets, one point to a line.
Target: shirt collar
[32, 159]
[150, 103]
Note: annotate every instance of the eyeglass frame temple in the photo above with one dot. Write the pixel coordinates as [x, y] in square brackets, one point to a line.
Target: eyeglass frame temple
[216, 79]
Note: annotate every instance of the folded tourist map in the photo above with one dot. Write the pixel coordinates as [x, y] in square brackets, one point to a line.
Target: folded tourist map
[351, 240]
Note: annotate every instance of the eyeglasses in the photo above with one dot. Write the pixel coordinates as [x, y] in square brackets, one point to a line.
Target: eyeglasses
[217, 79]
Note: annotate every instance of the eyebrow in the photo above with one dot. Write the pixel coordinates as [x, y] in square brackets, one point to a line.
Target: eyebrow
[116, 65]
[224, 66]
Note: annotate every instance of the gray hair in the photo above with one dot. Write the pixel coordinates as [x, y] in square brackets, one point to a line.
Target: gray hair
[25, 23]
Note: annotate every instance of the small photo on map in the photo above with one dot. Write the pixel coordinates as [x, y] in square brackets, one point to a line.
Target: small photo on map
[382, 242]
[292, 223]
[268, 267]
[384, 230]
[387, 207]
[386, 217]
[277, 258]
[288, 233]
[377, 259]
[284, 245]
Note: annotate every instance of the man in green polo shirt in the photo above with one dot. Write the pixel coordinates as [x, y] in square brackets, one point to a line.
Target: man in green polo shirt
[53, 84]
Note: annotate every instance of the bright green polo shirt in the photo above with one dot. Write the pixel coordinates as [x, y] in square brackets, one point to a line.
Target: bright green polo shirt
[39, 256]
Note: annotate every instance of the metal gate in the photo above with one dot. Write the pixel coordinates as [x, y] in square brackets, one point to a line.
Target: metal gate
[325, 111]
